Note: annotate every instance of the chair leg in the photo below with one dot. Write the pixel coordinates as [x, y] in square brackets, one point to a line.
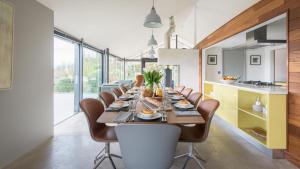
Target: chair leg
[99, 156]
[116, 156]
[198, 156]
[107, 155]
[189, 156]
[185, 162]
[99, 162]
[112, 162]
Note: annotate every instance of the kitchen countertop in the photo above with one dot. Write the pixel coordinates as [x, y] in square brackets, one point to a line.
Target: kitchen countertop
[252, 88]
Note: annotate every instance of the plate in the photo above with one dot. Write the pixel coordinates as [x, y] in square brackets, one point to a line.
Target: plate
[147, 117]
[177, 97]
[116, 106]
[126, 97]
[188, 106]
[171, 92]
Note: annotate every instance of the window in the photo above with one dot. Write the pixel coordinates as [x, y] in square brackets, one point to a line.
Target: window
[116, 69]
[64, 73]
[77, 74]
[132, 68]
[92, 73]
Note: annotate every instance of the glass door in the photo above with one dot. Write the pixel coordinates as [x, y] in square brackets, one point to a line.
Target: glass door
[92, 73]
[64, 78]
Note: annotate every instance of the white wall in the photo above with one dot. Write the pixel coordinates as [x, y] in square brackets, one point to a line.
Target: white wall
[209, 15]
[187, 59]
[26, 111]
[213, 72]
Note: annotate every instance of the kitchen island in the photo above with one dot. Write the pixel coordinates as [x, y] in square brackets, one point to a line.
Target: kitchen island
[236, 102]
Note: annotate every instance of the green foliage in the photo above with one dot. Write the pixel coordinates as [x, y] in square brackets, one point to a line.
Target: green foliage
[152, 77]
[65, 85]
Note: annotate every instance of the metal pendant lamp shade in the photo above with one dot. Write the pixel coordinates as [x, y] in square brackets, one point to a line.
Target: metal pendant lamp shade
[152, 51]
[152, 41]
[153, 19]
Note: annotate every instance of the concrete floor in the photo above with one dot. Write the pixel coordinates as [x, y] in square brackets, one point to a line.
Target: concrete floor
[72, 148]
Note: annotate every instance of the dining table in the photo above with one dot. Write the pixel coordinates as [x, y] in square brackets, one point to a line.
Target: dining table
[169, 115]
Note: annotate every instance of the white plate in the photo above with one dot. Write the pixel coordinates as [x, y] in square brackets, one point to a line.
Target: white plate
[147, 117]
[171, 92]
[116, 106]
[126, 97]
[189, 106]
[177, 97]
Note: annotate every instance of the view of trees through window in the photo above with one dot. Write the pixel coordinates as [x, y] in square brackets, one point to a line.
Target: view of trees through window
[92, 73]
[64, 75]
[116, 69]
[132, 68]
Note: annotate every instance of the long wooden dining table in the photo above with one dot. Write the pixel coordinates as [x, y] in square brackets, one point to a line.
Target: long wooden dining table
[171, 118]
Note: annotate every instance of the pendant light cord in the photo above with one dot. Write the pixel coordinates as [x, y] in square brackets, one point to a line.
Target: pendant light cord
[153, 3]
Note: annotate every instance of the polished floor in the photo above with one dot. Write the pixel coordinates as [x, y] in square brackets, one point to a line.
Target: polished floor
[72, 148]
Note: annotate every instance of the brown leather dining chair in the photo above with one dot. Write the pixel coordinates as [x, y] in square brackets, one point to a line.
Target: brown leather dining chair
[199, 133]
[186, 92]
[117, 91]
[107, 98]
[194, 98]
[179, 88]
[93, 108]
[139, 80]
[123, 89]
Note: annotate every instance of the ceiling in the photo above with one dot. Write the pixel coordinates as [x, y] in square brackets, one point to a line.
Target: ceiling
[118, 24]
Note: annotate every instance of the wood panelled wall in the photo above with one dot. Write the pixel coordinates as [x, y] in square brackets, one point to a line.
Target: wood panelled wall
[258, 13]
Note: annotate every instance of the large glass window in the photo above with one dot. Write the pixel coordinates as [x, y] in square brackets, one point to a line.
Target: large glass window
[92, 73]
[132, 68]
[64, 73]
[116, 69]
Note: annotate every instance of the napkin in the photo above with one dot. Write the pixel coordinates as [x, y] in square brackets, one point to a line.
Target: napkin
[187, 113]
[109, 109]
[122, 117]
[150, 105]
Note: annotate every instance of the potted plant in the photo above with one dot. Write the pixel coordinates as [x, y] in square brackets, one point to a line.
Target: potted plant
[152, 76]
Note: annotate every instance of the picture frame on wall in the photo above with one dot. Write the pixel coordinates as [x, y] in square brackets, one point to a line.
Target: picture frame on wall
[255, 59]
[212, 59]
[6, 44]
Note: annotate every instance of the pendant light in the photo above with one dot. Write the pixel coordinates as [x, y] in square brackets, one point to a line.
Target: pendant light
[153, 19]
[151, 51]
[152, 41]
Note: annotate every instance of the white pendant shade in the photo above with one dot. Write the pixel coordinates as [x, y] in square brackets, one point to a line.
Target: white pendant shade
[152, 41]
[151, 51]
[153, 19]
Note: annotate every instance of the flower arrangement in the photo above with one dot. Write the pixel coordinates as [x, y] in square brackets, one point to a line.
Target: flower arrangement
[153, 76]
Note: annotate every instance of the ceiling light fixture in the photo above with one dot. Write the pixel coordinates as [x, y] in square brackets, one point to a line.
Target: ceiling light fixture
[153, 19]
[152, 41]
[151, 51]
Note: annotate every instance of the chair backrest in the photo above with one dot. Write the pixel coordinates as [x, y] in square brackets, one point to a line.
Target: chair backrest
[107, 98]
[207, 109]
[124, 89]
[92, 108]
[117, 91]
[139, 80]
[186, 92]
[148, 146]
[179, 88]
[194, 98]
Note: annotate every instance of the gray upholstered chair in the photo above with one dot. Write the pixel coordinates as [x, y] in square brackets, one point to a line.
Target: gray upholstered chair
[148, 146]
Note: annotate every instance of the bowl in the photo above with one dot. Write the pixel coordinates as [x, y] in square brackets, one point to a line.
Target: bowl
[227, 81]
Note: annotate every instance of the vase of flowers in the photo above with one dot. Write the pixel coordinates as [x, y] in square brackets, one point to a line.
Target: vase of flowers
[152, 76]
